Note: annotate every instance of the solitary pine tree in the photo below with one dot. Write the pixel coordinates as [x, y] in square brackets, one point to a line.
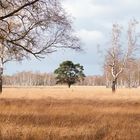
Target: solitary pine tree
[69, 73]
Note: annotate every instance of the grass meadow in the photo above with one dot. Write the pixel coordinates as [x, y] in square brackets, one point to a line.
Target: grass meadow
[79, 113]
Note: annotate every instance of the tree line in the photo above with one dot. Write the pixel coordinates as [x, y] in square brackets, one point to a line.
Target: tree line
[29, 78]
[130, 78]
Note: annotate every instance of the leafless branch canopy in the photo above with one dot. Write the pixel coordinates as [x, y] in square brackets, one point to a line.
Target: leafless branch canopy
[34, 27]
[119, 56]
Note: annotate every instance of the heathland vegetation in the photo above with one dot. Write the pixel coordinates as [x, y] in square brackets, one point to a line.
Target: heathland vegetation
[79, 113]
[32, 107]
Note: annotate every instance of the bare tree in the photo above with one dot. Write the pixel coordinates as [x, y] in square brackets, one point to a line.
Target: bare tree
[33, 27]
[118, 56]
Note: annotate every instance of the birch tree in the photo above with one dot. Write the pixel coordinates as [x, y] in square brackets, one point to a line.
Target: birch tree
[33, 27]
[118, 55]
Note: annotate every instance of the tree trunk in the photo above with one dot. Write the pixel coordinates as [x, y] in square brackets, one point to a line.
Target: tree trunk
[69, 85]
[1, 73]
[114, 82]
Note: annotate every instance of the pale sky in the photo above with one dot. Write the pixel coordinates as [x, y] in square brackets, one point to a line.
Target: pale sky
[92, 22]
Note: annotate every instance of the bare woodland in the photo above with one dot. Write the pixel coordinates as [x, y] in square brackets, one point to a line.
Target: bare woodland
[39, 27]
[129, 78]
[121, 66]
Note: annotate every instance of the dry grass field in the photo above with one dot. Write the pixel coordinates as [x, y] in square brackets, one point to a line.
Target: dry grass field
[79, 113]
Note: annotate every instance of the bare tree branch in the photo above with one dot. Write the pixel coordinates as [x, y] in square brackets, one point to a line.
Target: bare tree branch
[18, 9]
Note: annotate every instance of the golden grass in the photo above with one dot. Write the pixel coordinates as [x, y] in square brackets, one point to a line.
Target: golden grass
[80, 113]
[63, 92]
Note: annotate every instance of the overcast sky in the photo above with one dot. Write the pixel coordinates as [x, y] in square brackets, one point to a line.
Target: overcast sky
[92, 21]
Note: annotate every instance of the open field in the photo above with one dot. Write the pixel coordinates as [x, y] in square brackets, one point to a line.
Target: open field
[63, 92]
[79, 113]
